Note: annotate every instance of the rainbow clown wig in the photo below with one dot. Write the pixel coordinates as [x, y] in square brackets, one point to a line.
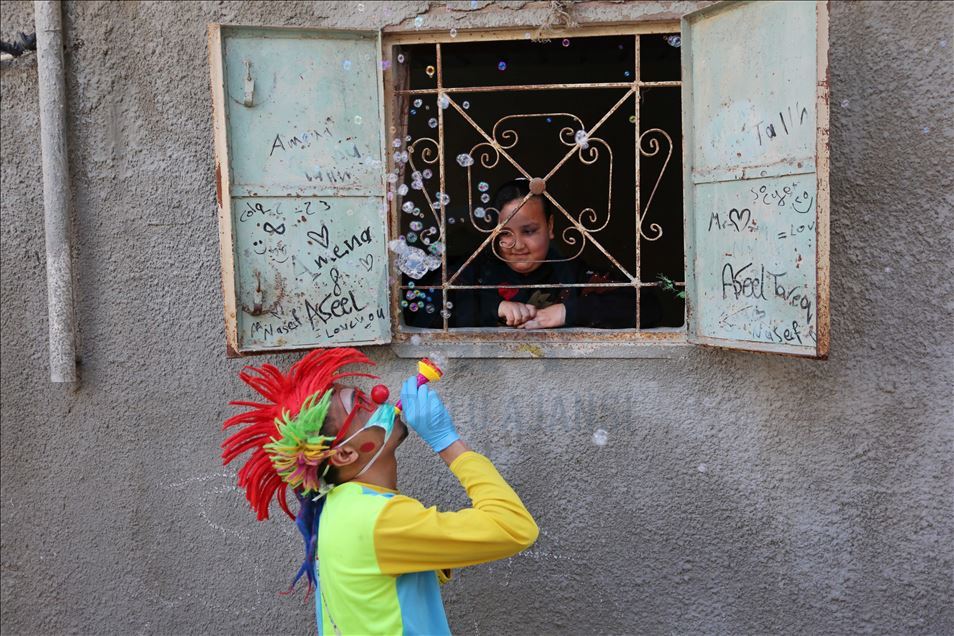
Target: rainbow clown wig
[283, 433]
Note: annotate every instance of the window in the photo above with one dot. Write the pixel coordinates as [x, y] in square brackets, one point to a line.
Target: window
[308, 123]
[591, 123]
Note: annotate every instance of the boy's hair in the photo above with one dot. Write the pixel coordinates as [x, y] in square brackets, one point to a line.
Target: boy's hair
[516, 190]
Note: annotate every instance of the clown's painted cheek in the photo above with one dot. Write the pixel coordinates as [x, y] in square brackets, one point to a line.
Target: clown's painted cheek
[367, 447]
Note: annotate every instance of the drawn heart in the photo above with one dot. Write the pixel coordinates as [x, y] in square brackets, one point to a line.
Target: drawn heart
[739, 215]
[367, 262]
[320, 237]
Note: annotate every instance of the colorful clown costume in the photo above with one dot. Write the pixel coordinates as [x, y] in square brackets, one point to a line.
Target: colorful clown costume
[382, 555]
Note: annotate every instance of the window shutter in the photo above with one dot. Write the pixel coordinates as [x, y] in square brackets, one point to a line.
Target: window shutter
[755, 112]
[299, 153]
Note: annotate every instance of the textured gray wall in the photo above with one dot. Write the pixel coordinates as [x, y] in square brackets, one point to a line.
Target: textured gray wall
[739, 493]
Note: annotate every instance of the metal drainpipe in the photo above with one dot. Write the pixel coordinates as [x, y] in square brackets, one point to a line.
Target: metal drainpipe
[56, 188]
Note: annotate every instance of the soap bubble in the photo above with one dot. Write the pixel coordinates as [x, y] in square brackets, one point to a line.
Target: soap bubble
[449, 304]
[480, 213]
[473, 4]
[408, 206]
[430, 308]
[430, 71]
[418, 102]
[412, 261]
[600, 437]
[396, 143]
[392, 177]
[444, 314]
[401, 58]
[702, 468]
[385, 65]
[565, 42]
[466, 105]
[427, 174]
[402, 189]
[417, 185]
[415, 340]
[485, 198]
[453, 33]
[416, 175]
[411, 294]
[674, 41]
[549, 120]
[582, 139]
[450, 220]
[443, 101]
[632, 119]
[417, 226]
[411, 237]
[483, 186]
[418, 21]
[360, 6]
[432, 122]
[346, 65]
[625, 73]
[408, 139]
[411, 285]
[443, 198]
[404, 303]
[501, 66]
[357, 119]
[413, 111]
[465, 160]
[413, 306]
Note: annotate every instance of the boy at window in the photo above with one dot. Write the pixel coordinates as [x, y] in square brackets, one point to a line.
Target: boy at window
[380, 555]
[523, 263]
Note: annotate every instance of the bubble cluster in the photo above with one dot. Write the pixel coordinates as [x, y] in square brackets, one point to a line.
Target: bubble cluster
[465, 160]
[412, 261]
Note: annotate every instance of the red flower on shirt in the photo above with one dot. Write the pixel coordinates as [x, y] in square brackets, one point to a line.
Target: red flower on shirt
[507, 293]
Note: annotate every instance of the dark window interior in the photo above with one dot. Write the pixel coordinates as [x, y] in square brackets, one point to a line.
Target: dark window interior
[575, 185]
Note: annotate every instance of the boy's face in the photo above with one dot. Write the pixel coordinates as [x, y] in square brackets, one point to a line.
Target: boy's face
[369, 440]
[525, 239]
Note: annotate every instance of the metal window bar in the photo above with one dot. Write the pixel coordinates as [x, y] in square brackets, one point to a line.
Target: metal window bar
[401, 104]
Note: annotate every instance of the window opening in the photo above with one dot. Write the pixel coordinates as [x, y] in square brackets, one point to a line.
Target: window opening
[591, 123]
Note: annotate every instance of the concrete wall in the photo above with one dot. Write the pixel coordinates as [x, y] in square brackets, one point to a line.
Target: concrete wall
[738, 493]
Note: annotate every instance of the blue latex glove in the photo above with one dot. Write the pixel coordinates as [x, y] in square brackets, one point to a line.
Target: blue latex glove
[424, 412]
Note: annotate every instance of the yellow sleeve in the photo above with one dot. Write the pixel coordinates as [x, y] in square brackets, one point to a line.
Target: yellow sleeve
[411, 538]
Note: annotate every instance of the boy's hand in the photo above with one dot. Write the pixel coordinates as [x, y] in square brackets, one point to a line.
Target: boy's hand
[425, 413]
[515, 313]
[547, 318]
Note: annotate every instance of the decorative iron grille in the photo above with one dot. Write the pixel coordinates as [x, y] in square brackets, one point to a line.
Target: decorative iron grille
[499, 144]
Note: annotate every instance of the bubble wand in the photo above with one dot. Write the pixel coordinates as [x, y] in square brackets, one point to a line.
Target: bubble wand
[427, 371]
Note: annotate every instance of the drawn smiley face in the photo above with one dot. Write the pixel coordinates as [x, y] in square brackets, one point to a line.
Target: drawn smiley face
[259, 245]
[804, 200]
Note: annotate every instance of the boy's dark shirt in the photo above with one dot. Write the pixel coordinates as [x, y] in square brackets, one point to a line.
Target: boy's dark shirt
[601, 308]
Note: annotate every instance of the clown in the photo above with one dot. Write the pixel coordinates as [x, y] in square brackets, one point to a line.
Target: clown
[380, 555]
